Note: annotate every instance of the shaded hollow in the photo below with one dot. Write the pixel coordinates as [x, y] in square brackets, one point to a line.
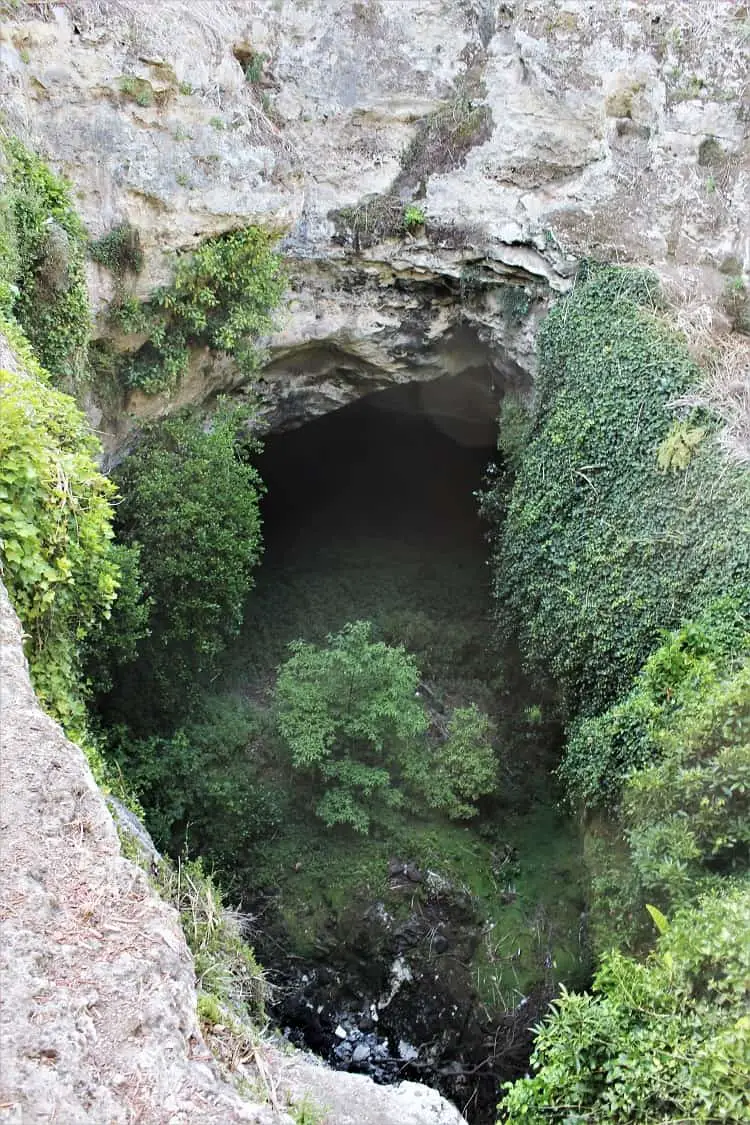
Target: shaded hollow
[370, 513]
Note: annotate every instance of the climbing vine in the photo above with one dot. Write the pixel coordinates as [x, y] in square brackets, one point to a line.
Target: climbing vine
[55, 532]
[597, 547]
[43, 247]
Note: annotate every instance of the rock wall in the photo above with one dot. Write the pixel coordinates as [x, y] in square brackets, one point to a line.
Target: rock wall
[97, 999]
[617, 129]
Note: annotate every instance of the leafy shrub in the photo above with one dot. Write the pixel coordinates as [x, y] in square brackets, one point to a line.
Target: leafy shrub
[668, 1040]
[42, 281]
[55, 529]
[600, 550]
[462, 768]
[678, 677]
[203, 786]
[114, 641]
[687, 816]
[190, 500]
[671, 764]
[119, 250]
[351, 716]
[138, 90]
[222, 296]
[414, 216]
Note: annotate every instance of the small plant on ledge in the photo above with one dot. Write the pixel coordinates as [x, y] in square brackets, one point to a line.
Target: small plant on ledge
[222, 297]
[414, 217]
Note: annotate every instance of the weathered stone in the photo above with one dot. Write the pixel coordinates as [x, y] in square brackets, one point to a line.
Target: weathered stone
[603, 119]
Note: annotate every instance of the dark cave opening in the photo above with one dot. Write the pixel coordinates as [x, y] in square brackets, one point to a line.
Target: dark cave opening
[371, 513]
[398, 463]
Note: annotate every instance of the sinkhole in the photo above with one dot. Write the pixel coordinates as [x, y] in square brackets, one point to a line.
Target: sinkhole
[428, 948]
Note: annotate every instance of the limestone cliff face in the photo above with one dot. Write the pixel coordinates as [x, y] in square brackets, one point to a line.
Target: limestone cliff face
[617, 129]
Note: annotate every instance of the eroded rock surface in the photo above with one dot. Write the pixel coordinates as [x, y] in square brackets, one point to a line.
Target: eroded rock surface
[97, 1005]
[617, 129]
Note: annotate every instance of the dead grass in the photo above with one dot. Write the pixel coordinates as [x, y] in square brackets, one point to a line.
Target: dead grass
[154, 24]
[724, 358]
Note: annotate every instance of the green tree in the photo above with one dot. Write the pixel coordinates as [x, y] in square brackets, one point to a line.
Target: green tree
[350, 715]
[190, 499]
[461, 768]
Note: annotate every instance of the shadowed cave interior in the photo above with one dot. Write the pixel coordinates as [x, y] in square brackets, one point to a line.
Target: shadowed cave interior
[370, 513]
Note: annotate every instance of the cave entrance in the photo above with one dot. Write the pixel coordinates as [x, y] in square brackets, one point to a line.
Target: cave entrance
[371, 514]
[449, 932]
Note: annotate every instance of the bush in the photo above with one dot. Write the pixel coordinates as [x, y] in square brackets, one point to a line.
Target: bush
[668, 1040]
[462, 768]
[42, 281]
[114, 641]
[138, 90]
[600, 550]
[203, 787]
[671, 765]
[119, 250]
[351, 716]
[55, 528]
[190, 500]
[679, 675]
[222, 297]
[687, 816]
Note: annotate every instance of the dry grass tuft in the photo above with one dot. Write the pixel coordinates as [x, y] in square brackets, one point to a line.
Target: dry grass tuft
[724, 358]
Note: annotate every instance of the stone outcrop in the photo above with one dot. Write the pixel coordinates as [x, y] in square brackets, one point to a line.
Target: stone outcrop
[528, 135]
[97, 998]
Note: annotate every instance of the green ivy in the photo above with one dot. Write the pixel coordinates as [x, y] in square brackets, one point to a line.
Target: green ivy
[42, 281]
[222, 297]
[597, 549]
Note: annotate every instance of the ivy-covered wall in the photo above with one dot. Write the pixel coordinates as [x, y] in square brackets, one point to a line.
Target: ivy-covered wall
[622, 563]
[55, 531]
[624, 518]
